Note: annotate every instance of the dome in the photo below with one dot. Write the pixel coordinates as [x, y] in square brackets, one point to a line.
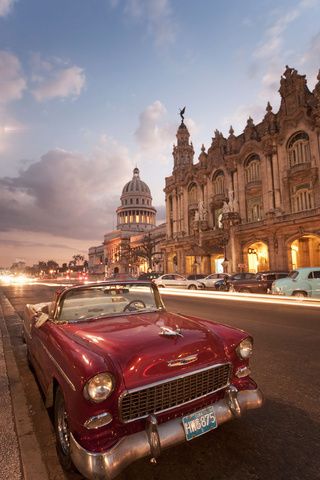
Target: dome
[136, 212]
[136, 185]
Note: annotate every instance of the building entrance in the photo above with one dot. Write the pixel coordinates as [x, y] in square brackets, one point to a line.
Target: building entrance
[305, 252]
[258, 257]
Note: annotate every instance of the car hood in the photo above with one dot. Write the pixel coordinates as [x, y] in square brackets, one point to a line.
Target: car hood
[133, 342]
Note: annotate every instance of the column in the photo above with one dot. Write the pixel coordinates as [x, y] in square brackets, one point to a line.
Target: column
[276, 180]
[175, 212]
[270, 204]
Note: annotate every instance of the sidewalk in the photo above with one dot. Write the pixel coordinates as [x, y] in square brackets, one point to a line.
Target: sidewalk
[20, 455]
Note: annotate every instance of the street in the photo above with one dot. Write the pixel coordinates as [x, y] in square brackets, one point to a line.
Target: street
[279, 441]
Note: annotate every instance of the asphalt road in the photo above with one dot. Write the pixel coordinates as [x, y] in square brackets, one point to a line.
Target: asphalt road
[279, 441]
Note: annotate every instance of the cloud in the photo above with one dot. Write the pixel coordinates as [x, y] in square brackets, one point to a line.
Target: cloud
[152, 133]
[56, 79]
[5, 7]
[66, 193]
[157, 16]
[13, 82]
[310, 60]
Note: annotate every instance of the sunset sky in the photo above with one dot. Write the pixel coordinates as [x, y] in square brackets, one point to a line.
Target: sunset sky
[91, 88]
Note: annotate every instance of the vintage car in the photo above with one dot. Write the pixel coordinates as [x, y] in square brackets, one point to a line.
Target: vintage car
[127, 379]
[302, 282]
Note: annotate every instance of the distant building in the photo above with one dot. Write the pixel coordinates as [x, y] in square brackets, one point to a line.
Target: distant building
[134, 246]
[252, 201]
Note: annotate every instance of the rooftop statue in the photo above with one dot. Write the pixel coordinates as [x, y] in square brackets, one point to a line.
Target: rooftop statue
[182, 113]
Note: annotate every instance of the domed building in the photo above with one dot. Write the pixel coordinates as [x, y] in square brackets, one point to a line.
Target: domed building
[132, 247]
[136, 212]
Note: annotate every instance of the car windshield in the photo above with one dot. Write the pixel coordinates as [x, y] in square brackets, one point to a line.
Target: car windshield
[293, 274]
[90, 302]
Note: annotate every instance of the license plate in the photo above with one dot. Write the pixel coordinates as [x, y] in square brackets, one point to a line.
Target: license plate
[199, 422]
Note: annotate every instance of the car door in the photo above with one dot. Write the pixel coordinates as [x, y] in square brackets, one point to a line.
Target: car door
[167, 280]
[180, 281]
[314, 280]
[211, 280]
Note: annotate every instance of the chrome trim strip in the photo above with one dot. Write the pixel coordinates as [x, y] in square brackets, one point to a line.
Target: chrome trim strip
[65, 376]
[127, 392]
[182, 361]
[106, 415]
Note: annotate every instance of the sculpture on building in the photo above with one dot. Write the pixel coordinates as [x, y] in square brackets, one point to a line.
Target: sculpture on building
[182, 110]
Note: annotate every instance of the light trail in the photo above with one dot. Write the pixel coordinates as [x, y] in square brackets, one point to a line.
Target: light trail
[244, 297]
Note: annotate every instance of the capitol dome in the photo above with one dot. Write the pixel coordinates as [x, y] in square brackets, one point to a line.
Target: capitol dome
[136, 212]
[136, 185]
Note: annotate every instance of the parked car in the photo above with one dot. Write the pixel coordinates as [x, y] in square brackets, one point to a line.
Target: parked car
[210, 280]
[149, 275]
[302, 282]
[223, 284]
[174, 280]
[196, 276]
[127, 378]
[261, 283]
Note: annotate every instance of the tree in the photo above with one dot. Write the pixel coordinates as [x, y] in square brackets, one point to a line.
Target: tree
[146, 250]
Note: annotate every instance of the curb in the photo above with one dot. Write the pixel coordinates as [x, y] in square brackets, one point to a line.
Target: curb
[32, 463]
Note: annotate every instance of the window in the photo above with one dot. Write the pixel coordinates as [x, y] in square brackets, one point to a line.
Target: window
[314, 274]
[302, 200]
[252, 169]
[192, 193]
[298, 149]
[255, 210]
[137, 200]
[218, 184]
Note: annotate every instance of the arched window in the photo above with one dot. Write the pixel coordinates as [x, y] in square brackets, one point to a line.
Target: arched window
[218, 183]
[254, 209]
[298, 149]
[252, 169]
[192, 193]
[302, 200]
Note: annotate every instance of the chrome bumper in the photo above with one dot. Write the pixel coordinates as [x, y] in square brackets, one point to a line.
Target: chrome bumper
[149, 442]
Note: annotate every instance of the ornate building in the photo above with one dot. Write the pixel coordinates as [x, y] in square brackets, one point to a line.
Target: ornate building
[251, 202]
[135, 243]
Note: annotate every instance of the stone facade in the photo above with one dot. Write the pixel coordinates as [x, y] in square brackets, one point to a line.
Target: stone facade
[251, 202]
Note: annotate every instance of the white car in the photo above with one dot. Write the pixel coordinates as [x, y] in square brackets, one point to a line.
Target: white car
[174, 280]
[210, 280]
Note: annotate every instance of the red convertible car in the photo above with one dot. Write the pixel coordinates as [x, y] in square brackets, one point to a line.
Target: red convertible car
[127, 379]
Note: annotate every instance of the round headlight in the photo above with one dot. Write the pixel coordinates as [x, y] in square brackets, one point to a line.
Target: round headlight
[99, 387]
[245, 348]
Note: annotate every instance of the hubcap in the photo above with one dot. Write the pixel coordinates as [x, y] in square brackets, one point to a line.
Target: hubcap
[63, 430]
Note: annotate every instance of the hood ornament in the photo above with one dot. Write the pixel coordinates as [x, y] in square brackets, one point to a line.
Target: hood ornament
[179, 362]
[169, 332]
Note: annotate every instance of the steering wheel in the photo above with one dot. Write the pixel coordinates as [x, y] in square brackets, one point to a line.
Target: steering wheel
[134, 305]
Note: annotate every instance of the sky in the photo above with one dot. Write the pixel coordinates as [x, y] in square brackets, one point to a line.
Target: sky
[91, 88]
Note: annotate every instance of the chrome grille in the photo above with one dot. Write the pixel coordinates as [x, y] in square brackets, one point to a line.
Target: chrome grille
[178, 391]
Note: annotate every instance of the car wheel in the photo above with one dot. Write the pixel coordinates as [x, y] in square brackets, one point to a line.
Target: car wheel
[299, 294]
[160, 286]
[62, 431]
[192, 287]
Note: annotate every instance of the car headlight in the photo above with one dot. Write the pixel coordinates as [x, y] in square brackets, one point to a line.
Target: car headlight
[245, 348]
[99, 387]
